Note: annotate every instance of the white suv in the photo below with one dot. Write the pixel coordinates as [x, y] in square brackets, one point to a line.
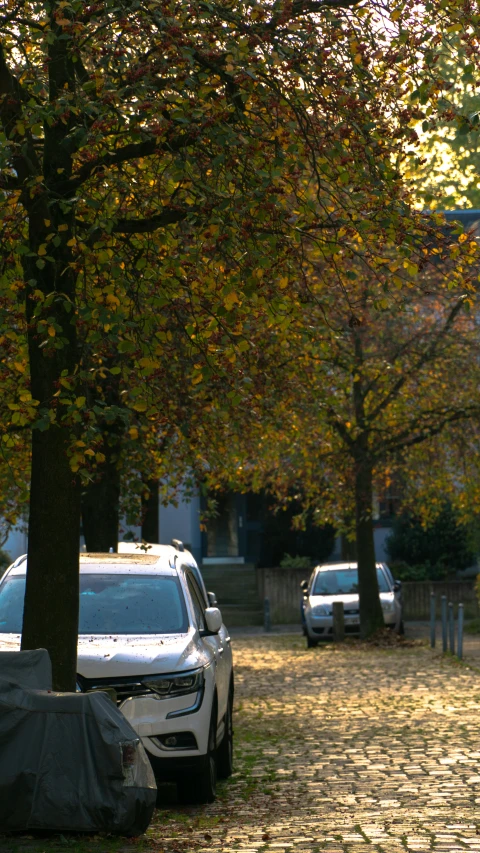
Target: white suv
[149, 636]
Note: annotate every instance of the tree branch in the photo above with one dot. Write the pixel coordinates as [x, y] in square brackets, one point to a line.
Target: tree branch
[159, 220]
[424, 358]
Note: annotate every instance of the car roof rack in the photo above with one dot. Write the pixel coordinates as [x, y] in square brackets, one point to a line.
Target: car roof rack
[178, 544]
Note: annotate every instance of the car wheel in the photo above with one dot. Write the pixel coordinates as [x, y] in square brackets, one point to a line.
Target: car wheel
[202, 787]
[225, 750]
[311, 644]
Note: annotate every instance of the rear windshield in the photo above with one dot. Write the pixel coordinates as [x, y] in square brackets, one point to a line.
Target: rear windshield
[110, 604]
[343, 582]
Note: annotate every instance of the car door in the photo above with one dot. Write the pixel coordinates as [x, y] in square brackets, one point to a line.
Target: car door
[216, 643]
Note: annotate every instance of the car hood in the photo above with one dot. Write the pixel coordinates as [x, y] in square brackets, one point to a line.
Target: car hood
[120, 655]
[350, 598]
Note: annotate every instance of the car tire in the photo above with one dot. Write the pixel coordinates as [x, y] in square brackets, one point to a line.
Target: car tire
[225, 750]
[202, 787]
[311, 644]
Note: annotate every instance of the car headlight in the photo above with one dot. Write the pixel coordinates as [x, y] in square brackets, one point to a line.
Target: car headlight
[321, 610]
[166, 686]
[388, 606]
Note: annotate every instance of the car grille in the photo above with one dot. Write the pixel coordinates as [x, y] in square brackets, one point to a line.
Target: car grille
[125, 688]
[328, 632]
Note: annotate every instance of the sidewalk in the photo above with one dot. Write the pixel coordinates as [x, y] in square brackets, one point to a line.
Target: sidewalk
[471, 642]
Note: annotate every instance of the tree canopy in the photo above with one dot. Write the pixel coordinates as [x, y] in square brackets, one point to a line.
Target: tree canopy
[166, 170]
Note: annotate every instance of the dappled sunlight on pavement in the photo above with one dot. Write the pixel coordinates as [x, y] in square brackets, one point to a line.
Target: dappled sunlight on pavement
[344, 749]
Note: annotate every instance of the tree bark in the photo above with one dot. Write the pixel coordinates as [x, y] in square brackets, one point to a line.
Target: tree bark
[54, 507]
[371, 614]
[150, 511]
[100, 504]
[53, 554]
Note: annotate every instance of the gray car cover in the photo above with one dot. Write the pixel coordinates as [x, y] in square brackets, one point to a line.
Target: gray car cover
[68, 761]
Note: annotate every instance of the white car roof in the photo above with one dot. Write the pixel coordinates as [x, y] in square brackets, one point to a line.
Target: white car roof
[163, 560]
[329, 567]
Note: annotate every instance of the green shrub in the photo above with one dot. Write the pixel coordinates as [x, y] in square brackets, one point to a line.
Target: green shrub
[402, 571]
[297, 562]
[433, 552]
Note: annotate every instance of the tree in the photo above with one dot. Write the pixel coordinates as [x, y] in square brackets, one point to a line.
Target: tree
[354, 396]
[444, 169]
[154, 157]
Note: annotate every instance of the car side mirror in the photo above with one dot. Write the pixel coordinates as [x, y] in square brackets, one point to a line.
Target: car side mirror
[397, 585]
[213, 621]
[304, 585]
[212, 599]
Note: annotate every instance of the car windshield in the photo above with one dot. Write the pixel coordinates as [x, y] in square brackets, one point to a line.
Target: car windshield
[343, 582]
[110, 604]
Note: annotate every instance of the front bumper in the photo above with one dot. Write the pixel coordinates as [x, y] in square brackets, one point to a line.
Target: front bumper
[321, 627]
[156, 720]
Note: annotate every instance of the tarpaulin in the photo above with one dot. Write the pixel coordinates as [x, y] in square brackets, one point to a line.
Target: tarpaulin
[68, 761]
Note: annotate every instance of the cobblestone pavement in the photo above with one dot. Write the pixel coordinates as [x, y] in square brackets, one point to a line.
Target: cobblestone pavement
[342, 749]
[347, 749]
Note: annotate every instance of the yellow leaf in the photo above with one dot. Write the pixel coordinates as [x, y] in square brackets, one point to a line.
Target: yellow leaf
[42, 249]
[80, 401]
[100, 457]
[19, 366]
[231, 300]
[133, 432]
[51, 331]
[63, 227]
[139, 406]
[89, 452]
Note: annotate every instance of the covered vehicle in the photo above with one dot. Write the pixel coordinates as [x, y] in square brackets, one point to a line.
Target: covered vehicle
[68, 761]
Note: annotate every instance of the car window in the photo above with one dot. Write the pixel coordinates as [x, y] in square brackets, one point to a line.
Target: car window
[343, 582]
[111, 604]
[197, 600]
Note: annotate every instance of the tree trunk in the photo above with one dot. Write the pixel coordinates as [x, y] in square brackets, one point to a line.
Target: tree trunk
[53, 540]
[150, 511]
[100, 505]
[50, 617]
[371, 614]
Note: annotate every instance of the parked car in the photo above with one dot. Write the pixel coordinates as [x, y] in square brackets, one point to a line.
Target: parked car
[149, 636]
[339, 582]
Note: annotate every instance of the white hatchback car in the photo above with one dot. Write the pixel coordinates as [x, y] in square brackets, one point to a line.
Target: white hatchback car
[339, 582]
[149, 636]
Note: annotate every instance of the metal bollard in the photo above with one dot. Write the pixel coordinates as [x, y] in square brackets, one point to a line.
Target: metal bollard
[433, 606]
[338, 622]
[460, 632]
[451, 628]
[266, 615]
[444, 623]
